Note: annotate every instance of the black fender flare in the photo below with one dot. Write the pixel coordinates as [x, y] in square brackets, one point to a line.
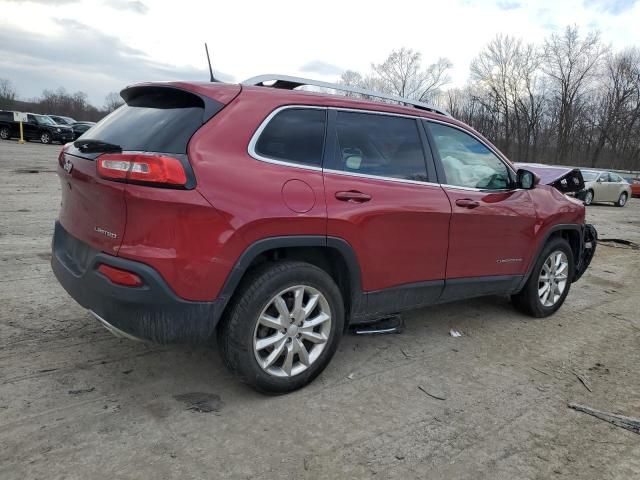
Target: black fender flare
[554, 229]
[291, 241]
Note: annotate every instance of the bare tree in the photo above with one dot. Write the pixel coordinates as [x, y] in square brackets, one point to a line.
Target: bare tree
[112, 101]
[7, 94]
[402, 74]
[571, 62]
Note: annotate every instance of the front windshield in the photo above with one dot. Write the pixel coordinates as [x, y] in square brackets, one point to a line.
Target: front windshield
[589, 175]
[44, 120]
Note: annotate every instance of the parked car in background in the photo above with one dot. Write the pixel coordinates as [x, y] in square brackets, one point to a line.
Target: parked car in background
[37, 127]
[634, 183]
[62, 120]
[274, 219]
[80, 127]
[601, 186]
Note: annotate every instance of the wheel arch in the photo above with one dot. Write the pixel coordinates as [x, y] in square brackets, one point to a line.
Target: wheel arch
[332, 254]
[573, 233]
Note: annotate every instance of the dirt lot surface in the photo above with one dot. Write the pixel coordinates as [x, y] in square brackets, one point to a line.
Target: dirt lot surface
[78, 403]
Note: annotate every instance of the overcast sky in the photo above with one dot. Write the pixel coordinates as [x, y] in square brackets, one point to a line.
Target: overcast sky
[99, 46]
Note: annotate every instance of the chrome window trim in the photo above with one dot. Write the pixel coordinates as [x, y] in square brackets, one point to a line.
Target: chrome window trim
[378, 177]
[251, 148]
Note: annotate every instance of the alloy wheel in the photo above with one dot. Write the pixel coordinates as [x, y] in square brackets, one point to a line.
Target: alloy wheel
[588, 198]
[553, 278]
[4, 134]
[292, 331]
[45, 138]
[623, 200]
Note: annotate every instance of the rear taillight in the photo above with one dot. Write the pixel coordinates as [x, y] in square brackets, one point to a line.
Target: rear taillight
[143, 168]
[61, 155]
[119, 276]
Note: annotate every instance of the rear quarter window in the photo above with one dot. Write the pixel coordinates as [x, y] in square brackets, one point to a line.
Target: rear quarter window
[294, 135]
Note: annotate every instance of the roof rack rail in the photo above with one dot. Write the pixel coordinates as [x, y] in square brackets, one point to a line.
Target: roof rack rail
[287, 82]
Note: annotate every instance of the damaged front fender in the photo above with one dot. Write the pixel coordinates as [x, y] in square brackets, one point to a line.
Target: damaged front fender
[587, 250]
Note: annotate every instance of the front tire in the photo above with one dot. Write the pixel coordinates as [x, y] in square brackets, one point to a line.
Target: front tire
[283, 326]
[45, 138]
[549, 282]
[588, 198]
[622, 200]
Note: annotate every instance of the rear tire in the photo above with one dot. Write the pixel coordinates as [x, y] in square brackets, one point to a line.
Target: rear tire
[45, 138]
[531, 299]
[588, 198]
[5, 133]
[265, 325]
[622, 200]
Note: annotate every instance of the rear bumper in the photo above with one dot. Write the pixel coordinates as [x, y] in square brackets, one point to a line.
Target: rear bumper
[62, 137]
[151, 312]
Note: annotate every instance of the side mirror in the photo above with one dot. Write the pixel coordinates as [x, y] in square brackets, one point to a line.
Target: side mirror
[526, 179]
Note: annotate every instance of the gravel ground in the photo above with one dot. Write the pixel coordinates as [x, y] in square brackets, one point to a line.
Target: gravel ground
[78, 403]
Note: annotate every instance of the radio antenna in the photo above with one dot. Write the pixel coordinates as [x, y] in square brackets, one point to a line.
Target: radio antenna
[212, 78]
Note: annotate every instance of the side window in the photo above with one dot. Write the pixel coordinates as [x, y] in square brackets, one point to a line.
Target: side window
[614, 178]
[467, 162]
[604, 177]
[294, 135]
[380, 145]
[31, 119]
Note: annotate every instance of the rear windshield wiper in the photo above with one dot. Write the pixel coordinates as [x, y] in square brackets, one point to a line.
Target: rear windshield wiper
[93, 146]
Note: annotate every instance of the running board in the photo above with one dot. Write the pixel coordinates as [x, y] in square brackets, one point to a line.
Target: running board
[391, 324]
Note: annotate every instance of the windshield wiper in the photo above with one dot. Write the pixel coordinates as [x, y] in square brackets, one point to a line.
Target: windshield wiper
[93, 146]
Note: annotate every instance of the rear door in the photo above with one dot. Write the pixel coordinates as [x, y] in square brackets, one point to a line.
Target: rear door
[602, 189]
[382, 198]
[492, 224]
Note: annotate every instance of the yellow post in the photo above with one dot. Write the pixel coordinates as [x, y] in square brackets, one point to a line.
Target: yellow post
[21, 134]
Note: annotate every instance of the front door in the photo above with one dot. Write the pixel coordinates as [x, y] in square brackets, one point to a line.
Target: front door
[380, 200]
[492, 224]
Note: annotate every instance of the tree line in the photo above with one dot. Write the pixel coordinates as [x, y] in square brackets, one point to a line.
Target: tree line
[571, 100]
[58, 102]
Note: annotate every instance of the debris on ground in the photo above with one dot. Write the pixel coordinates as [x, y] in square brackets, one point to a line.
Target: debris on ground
[583, 380]
[630, 423]
[431, 394]
[82, 390]
[455, 333]
[541, 371]
[201, 402]
[619, 243]
[350, 376]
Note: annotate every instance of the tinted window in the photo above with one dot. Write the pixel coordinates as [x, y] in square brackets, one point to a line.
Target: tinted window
[467, 162]
[294, 135]
[604, 177]
[160, 120]
[6, 116]
[381, 145]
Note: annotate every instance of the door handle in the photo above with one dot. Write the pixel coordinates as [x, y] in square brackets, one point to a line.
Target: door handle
[353, 196]
[467, 203]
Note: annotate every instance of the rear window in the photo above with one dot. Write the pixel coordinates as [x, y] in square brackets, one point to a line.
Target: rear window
[154, 120]
[294, 135]
[6, 116]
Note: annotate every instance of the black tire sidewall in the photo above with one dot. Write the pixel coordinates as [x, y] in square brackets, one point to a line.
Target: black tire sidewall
[241, 323]
[587, 196]
[8, 136]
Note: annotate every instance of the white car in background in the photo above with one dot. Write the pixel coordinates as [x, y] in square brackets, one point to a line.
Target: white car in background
[602, 186]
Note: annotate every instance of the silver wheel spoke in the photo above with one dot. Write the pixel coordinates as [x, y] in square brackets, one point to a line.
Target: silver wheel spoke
[311, 305]
[288, 361]
[297, 300]
[553, 278]
[312, 336]
[303, 355]
[281, 306]
[272, 322]
[273, 356]
[543, 289]
[269, 341]
[315, 321]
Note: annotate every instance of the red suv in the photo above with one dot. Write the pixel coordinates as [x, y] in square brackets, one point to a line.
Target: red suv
[275, 218]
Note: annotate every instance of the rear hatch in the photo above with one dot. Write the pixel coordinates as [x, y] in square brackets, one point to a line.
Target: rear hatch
[156, 122]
